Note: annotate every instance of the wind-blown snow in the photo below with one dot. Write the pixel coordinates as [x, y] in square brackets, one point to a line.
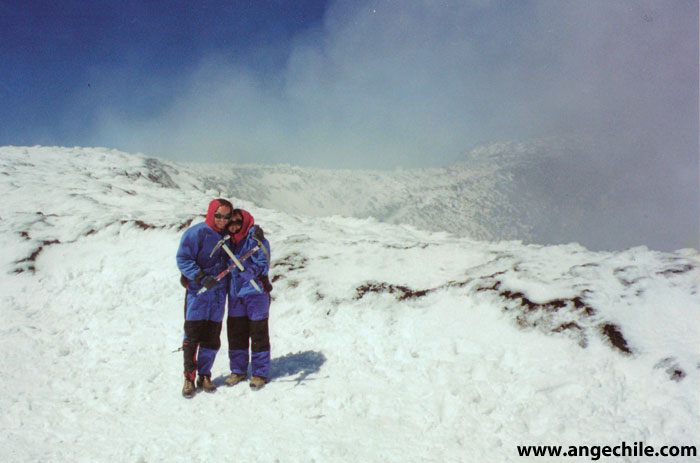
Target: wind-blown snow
[389, 343]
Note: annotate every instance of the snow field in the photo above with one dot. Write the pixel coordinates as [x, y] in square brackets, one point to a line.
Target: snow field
[388, 343]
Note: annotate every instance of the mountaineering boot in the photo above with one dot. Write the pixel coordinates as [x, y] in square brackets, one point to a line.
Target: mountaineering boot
[188, 389]
[234, 378]
[205, 383]
[257, 382]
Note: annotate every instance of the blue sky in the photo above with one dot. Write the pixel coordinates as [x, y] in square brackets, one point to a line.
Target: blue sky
[65, 63]
[360, 84]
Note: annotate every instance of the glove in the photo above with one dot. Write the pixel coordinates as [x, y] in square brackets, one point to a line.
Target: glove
[209, 282]
[248, 274]
[205, 280]
[265, 280]
[184, 281]
[258, 233]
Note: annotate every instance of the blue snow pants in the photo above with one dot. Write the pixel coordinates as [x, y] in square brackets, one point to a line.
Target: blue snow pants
[247, 321]
[202, 331]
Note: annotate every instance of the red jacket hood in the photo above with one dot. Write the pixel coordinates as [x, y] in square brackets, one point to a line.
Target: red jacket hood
[213, 206]
[248, 221]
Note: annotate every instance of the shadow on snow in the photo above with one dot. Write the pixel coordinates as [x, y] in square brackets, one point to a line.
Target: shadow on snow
[300, 364]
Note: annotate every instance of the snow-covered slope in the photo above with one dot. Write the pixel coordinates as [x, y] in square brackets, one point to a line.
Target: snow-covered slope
[475, 198]
[389, 343]
[549, 191]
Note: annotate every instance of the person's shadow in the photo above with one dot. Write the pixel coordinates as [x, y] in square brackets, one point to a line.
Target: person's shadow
[296, 367]
[291, 367]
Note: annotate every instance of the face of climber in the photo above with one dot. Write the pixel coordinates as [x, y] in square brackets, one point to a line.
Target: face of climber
[222, 216]
[235, 224]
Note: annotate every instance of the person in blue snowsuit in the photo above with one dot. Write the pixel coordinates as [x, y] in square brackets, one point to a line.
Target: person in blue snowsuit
[204, 313]
[248, 307]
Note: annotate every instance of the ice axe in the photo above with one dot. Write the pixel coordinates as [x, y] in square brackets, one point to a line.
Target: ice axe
[228, 269]
[222, 244]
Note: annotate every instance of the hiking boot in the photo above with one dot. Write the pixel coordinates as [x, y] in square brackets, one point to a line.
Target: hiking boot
[234, 378]
[188, 389]
[205, 383]
[257, 382]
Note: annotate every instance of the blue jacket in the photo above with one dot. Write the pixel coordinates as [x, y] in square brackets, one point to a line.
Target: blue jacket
[192, 257]
[259, 263]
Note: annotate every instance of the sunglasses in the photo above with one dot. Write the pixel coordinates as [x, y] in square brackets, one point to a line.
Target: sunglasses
[238, 222]
[222, 216]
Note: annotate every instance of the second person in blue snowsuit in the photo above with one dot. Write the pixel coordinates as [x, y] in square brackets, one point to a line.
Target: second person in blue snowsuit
[248, 307]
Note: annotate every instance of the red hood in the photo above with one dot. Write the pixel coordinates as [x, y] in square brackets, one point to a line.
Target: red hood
[213, 206]
[248, 222]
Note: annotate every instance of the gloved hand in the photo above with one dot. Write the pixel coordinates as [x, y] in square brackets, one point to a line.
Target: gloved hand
[205, 280]
[266, 285]
[258, 232]
[248, 274]
[209, 282]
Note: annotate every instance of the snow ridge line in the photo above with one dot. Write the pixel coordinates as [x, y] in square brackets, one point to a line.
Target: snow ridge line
[28, 264]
